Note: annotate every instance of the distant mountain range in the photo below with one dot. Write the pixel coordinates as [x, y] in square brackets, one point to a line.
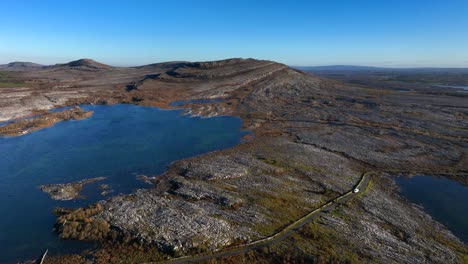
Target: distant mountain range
[82, 63]
[355, 68]
[92, 64]
[20, 65]
[337, 68]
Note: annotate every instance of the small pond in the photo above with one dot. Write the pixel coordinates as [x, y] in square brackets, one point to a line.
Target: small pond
[119, 142]
[444, 199]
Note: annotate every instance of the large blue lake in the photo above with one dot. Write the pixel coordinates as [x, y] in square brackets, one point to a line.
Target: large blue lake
[118, 142]
[444, 199]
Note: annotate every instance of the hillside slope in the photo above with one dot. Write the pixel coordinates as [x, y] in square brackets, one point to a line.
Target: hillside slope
[312, 139]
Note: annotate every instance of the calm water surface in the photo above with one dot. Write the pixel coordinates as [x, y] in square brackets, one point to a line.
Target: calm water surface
[119, 142]
[445, 200]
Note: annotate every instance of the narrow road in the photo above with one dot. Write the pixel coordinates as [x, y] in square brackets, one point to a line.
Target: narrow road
[283, 234]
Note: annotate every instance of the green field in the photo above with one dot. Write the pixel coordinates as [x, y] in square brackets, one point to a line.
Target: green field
[7, 80]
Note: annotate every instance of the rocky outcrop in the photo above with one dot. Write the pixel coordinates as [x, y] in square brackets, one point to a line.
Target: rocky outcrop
[217, 201]
[68, 191]
[220, 168]
[25, 126]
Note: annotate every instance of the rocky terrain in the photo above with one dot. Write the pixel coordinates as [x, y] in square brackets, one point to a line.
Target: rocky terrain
[401, 79]
[312, 138]
[28, 125]
[67, 191]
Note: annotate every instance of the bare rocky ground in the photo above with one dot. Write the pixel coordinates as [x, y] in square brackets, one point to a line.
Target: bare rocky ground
[67, 191]
[47, 119]
[311, 140]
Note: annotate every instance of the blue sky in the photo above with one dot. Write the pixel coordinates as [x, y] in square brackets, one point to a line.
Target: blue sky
[391, 33]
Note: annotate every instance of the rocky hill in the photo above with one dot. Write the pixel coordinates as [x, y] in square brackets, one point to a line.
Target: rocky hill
[84, 63]
[20, 65]
[312, 138]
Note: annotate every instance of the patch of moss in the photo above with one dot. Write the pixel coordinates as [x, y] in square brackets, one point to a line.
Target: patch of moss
[369, 187]
[296, 166]
[283, 207]
[7, 80]
[312, 244]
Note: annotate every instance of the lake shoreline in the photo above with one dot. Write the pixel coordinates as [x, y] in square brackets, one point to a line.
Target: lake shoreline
[441, 198]
[64, 163]
[311, 136]
[23, 127]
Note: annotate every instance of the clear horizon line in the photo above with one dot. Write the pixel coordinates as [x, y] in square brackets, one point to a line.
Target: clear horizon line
[290, 65]
[382, 67]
